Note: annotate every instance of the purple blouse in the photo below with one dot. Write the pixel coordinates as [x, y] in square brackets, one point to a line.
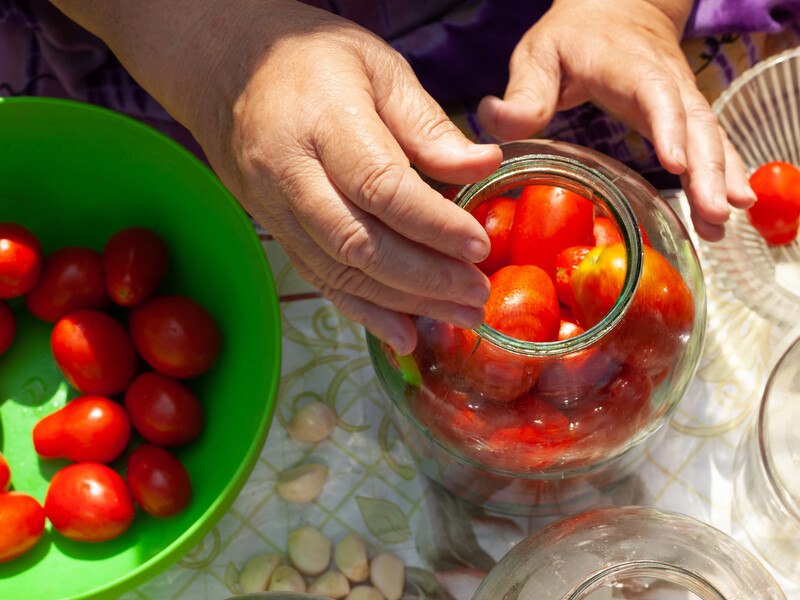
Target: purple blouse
[459, 50]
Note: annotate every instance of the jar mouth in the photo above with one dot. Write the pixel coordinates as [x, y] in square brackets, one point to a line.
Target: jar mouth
[658, 571]
[550, 169]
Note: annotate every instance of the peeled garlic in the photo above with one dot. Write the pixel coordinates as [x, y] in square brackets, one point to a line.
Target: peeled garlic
[350, 557]
[364, 592]
[388, 574]
[309, 550]
[257, 572]
[302, 484]
[312, 423]
[286, 579]
[330, 585]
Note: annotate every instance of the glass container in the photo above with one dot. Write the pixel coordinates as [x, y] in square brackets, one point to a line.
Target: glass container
[547, 428]
[767, 466]
[629, 552]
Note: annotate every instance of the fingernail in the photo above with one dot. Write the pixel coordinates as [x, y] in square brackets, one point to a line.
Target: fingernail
[481, 148]
[467, 318]
[720, 202]
[476, 295]
[751, 195]
[400, 345]
[679, 155]
[475, 250]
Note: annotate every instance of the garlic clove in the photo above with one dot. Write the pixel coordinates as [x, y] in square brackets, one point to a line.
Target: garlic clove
[257, 572]
[350, 557]
[286, 579]
[309, 550]
[331, 584]
[364, 592]
[388, 574]
[312, 423]
[302, 484]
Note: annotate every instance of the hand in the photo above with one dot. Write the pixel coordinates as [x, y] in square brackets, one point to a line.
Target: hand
[312, 123]
[625, 56]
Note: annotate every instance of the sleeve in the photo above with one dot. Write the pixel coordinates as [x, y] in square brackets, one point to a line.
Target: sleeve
[718, 17]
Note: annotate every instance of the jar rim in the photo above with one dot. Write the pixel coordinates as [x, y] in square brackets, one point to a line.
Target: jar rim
[688, 580]
[519, 170]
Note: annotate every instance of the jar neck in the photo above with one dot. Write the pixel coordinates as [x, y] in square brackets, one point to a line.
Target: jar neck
[519, 170]
[658, 572]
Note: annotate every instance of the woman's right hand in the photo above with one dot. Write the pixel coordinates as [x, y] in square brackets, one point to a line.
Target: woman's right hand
[313, 124]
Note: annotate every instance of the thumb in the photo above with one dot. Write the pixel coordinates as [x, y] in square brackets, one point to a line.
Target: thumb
[531, 96]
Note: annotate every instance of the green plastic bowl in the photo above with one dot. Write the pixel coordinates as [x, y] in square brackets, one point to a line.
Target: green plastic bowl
[74, 174]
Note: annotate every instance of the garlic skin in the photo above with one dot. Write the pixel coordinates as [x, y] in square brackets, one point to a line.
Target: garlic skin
[309, 550]
[257, 572]
[350, 557]
[302, 484]
[312, 423]
[388, 574]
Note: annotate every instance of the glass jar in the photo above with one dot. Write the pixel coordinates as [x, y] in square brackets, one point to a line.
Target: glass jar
[629, 552]
[767, 465]
[545, 428]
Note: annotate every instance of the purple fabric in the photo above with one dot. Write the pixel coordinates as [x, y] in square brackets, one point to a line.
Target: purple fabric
[714, 17]
[459, 49]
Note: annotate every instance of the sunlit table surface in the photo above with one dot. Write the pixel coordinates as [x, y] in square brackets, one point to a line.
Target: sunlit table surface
[374, 489]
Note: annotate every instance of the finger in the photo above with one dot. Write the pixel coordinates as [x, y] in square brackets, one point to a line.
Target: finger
[530, 98]
[711, 232]
[425, 133]
[388, 321]
[740, 194]
[647, 96]
[705, 178]
[354, 252]
[368, 167]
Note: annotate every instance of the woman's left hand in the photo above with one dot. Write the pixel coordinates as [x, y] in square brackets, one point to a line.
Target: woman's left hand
[625, 56]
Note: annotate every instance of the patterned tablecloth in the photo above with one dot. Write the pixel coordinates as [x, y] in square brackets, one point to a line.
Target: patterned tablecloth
[374, 489]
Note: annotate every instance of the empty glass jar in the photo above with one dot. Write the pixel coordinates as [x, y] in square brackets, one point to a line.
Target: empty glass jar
[629, 553]
[524, 427]
[767, 466]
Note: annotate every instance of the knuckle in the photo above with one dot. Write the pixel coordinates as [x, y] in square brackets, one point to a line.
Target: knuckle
[379, 183]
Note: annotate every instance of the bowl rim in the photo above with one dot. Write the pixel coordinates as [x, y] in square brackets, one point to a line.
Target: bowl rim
[171, 553]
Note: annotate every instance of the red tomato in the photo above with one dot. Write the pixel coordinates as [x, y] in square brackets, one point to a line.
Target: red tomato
[159, 482]
[776, 214]
[89, 428]
[496, 215]
[21, 524]
[608, 417]
[605, 232]
[175, 335]
[568, 327]
[72, 279]
[5, 474]
[656, 326]
[536, 438]
[8, 326]
[94, 352]
[566, 263]
[88, 502]
[523, 305]
[164, 411]
[20, 260]
[135, 261]
[549, 219]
